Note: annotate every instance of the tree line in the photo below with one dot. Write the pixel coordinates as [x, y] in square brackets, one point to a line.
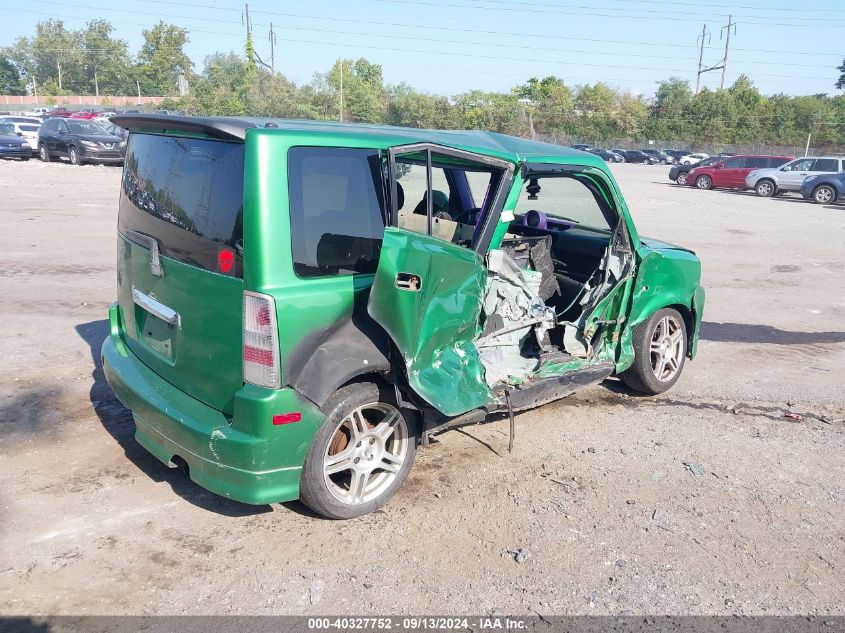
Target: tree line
[92, 59]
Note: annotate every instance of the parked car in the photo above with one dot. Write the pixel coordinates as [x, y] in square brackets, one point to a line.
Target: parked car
[314, 375]
[679, 172]
[605, 155]
[85, 114]
[12, 145]
[791, 176]
[824, 188]
[28, 131]
[37, 112]
[659, 156]
[78, 141]
[58, 112]
[17, 118]
[730, 172]
[676, 154]
[636, 156]
[691, 159]
[584, 147]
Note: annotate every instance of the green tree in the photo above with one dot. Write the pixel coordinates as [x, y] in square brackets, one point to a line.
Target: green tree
[11, 82]
[364, 95]
[840, 83]
[106, 59]
[162, 59]
[667, 115]
[409, 108]
[53, 57]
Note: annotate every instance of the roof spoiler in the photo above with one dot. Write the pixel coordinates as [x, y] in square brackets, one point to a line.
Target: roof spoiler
[224, 128]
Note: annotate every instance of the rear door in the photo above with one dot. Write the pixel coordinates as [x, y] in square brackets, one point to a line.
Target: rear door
[732, 174]
[180, 268]
[431, 277]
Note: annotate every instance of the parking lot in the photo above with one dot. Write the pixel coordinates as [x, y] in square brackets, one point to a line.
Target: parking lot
[708, 499]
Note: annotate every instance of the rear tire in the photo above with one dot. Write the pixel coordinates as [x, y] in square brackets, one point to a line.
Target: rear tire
[765, 188]
[824, 194]
[361, 454]
[660, 350]
[704, 182]
[43, 154]
[682, 179]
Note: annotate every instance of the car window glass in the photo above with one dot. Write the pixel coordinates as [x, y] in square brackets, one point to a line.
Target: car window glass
[188, 194]
[826, 165]
[802, 164]
[777, 162]
[734, 163]
[757, 162]
[62, 126]
[6, 128]
[457, 193]
[563, 198]
[336, 210]
[86, 127]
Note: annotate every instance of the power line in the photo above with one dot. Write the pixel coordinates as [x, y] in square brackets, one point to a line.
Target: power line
[405, 25]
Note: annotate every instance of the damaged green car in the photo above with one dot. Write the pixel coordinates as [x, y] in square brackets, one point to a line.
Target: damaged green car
[299, 304]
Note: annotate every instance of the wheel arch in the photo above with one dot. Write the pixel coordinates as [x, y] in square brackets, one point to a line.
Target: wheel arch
[830, 186]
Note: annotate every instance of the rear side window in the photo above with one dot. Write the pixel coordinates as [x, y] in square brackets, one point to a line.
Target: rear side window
[188, 194]
[336, 210]
[757, 162]
[826, 164]
[734, 163]
[777, 162]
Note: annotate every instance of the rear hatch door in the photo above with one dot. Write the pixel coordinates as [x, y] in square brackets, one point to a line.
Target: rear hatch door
[180, 284]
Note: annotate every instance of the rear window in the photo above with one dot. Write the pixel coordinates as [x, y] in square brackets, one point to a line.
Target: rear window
[826, 164]
[337, 214]
[188, 194]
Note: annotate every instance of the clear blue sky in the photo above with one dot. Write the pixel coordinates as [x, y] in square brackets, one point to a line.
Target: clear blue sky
[450, 46]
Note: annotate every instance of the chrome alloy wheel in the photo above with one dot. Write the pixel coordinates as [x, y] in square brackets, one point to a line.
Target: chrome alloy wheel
[823, 194]
[667, 348]
[366, 453]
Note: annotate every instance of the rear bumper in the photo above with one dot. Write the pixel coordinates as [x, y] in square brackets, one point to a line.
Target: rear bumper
[243, 457]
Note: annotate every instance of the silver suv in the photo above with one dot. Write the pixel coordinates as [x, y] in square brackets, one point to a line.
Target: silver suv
[790, 177]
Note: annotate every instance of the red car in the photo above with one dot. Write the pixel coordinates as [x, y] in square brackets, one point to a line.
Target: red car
[84, 114]
[730, 172]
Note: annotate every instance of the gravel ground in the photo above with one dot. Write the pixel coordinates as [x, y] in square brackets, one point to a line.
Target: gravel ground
[596, 492]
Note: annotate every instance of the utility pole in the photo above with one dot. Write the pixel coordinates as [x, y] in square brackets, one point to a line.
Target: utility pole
[731, 23]
[96, 89]
[702, 37]
[246, 19]
[272, 50]
[138, 86]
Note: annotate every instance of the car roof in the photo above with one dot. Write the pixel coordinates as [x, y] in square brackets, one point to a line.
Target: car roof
[382, 136]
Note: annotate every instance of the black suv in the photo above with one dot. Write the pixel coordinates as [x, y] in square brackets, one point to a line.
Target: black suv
[79, 141]
[635, 156]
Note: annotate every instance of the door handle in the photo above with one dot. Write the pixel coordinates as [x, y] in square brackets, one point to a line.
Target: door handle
[408, 281]
[155, 307]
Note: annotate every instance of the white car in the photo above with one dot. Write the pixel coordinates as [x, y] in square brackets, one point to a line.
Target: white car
[689, 159]
[27, 127]
[37, 112]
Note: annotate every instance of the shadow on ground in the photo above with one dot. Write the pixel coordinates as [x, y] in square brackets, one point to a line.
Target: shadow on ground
[754, 333]
[117, 420]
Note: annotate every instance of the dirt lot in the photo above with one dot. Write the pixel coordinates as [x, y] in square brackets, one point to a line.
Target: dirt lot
[596, 490]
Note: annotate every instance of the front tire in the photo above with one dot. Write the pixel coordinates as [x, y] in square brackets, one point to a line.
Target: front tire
[682, 179]
[704, 182]
[765, 188]
[73, 155]
[660, 350]
[361, 454]
[43, 154]
[824, 194]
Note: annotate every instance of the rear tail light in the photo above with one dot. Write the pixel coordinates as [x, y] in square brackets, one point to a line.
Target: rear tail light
[261, 341]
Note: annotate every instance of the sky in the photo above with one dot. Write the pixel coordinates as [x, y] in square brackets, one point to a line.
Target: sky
[451, 46]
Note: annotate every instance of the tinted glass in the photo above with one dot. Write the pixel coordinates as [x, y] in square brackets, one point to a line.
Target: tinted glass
[757, 162]
[777, 162]
[826, 164]
[188, 194]
[336, 210]
[734, 163]
[6, 128]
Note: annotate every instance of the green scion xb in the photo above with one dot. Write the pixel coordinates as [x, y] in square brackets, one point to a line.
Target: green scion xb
[299, 304]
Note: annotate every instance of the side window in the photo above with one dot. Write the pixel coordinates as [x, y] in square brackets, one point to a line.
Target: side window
[549, 203]
[734, 163]
[757, 162]
[459, 192]
[336, 210]
[802, 164]
[830, 165]
[777, 162]
[62, 126]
